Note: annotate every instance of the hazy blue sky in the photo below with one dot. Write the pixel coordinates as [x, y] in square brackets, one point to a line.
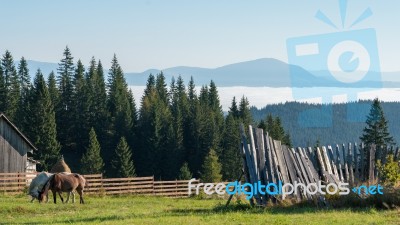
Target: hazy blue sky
[159, 34]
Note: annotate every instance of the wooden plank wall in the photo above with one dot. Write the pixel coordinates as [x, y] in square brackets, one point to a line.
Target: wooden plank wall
[269, 161]
[13, 149]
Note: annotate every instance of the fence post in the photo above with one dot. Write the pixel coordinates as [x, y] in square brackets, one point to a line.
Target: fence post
[152, 184]
[372, 163]
[18, 181]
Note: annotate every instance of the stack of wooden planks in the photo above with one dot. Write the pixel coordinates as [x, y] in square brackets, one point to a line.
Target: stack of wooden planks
[269, 161]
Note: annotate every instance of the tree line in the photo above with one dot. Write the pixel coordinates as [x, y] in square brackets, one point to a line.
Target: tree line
[91, 119]
[341, 131]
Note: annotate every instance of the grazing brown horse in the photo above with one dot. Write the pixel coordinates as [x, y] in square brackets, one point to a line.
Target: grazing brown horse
[60, 182]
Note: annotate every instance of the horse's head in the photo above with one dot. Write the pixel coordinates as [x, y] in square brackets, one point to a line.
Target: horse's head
[41, 196]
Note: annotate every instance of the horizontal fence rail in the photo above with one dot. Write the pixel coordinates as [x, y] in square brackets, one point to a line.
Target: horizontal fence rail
[16, 183]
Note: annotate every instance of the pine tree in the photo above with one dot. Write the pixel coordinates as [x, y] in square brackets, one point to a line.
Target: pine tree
[231, 159]
[184, 172]
[244, 111]
[53, 90]
[97, 93]
[270, 125]
[192, 130]
[23, 104]
[80, 110]
[161, 87]
[169, 144]
[179, 109]
[119, 104]
[287, 140]
[377, 131]
[12, 86]
[147, 157]
[91, 161]
[3, 90]
[233, 109]
[23, 73]
[122, 163]
[211, 168]
[44, 133]
[64, 108]
[262, 125]
[278, 131]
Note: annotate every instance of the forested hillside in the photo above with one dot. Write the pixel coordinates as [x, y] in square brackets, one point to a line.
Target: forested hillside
[342, 131]
[91, 119]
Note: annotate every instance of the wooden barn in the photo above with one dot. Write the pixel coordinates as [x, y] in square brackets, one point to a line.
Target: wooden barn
[14, 147]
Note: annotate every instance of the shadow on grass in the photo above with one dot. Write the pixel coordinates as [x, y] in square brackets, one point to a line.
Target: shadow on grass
[80, 220]
[293, 209]
[217, 210]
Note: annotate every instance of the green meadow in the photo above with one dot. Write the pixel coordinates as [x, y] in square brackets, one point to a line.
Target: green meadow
[156, 210]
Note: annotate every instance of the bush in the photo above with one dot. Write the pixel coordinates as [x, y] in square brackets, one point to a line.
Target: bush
[389, 173]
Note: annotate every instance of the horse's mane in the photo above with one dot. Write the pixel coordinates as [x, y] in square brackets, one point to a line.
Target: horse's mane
[46, 186]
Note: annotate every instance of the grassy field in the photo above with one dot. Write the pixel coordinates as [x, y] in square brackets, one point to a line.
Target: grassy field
[154, 210]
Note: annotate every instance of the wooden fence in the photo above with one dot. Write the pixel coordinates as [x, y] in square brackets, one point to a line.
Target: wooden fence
[269, 161]
[14, 183]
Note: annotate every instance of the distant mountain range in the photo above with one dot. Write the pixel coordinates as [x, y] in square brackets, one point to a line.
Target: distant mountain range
[265, 72]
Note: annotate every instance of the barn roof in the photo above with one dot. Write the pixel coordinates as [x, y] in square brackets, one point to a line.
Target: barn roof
[2, 116]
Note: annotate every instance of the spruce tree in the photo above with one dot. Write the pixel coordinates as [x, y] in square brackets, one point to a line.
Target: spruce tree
[119, 104]
[233, 109]
[12, 86]
[231, 159]
[184, 172]
[161, 87]
[192, 130]
[211, 168]
[91, 161]
[244, 111]
[270, 125]
[23, 104]
[262, 125]
[278, 131]
[3, 91]
[179, 109]
[64, 107]
[287, 140]
[217, 117]
[53, 90]
[42, 115]
[169, 144]
[80, 111]
[23, 73]
[95, 99]
[147, 157]
[376, 131]
[122, 163]
[98, 95]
